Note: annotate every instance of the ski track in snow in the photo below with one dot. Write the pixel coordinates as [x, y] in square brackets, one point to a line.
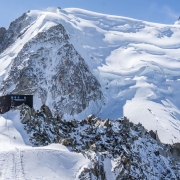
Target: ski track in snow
[19, 161]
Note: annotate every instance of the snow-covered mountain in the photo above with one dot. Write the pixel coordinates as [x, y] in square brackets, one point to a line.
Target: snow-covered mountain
[50, 68]
[79, 62]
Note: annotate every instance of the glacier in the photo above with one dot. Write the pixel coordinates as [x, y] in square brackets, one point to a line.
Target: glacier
[136, 63]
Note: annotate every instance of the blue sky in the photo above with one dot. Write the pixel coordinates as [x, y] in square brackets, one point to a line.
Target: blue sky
[161, 11]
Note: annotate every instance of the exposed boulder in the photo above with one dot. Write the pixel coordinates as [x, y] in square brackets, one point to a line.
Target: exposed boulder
[46, 110]
[25, 113]
[125, 121]
[154, 135]
[175, 151]
[67, 142]
[93, 147]
[89, 118]
[126, 124]
[106, 122]
[26, 118]
[74, 123]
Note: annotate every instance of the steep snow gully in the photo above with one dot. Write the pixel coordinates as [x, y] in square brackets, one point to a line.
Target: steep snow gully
[78, 63]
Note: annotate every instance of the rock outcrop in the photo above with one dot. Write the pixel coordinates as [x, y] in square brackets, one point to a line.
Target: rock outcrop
[14, 31]
[175, 151]
[117, 148]
[50, 68]
[2, 33]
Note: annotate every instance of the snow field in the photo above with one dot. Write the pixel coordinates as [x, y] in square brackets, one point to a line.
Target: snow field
[136, 62]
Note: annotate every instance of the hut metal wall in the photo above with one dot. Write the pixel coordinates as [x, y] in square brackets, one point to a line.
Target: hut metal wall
[5, 101]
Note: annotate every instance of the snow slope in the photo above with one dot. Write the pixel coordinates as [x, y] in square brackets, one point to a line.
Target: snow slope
[18, 160]
[138, 66]
[136, 62]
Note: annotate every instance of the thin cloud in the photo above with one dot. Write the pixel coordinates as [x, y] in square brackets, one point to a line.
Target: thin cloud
[170, 12]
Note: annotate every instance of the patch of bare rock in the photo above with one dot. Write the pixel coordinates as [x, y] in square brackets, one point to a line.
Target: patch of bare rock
[116, 148]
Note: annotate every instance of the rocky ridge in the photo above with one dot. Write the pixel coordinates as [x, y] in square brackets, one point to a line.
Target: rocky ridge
[2, 33]
[118, 149]
[8, 37]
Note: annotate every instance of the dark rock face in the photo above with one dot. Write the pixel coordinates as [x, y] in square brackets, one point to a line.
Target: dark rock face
[2, 33]
[50, 67]
[154, 135]
[14, 31]
[136, 155]
[175, 151]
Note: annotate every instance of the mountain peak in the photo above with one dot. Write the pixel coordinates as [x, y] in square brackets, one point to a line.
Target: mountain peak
[178, 21]
[2, 33]
[135, 64]
[53, 9]
[76, 62]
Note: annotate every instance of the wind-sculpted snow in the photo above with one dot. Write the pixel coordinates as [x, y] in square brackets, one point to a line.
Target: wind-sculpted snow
[136, 63]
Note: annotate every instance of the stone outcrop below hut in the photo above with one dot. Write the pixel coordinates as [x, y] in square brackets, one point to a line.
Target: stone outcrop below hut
[117, 148]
